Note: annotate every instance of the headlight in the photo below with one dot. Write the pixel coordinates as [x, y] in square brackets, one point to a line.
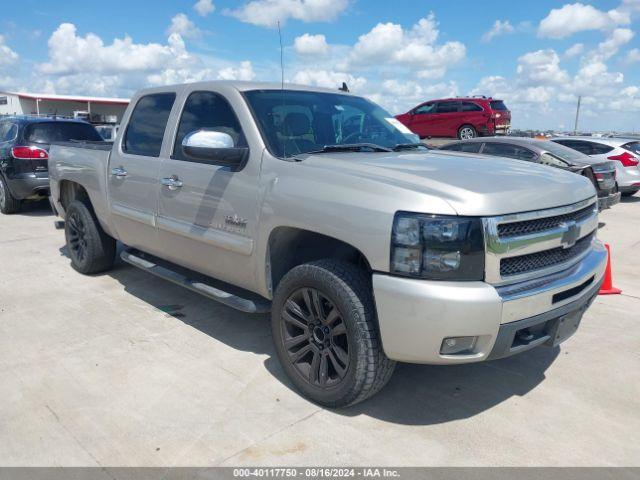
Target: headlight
[437, 247]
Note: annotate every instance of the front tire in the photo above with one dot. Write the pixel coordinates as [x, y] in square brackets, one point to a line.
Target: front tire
[91, 250]
[325, 333]
[467, 132]
[8, 203]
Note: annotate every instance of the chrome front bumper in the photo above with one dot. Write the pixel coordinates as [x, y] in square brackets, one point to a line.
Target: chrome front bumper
[415, 316]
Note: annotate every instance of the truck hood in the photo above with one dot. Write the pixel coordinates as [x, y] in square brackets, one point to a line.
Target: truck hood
[469, 184]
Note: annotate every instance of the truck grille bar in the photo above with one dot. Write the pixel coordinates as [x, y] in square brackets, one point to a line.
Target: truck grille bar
[529, 245]
[546, 258]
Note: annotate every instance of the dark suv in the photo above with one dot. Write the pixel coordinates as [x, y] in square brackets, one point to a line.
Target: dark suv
[464, 118]
[24, 152]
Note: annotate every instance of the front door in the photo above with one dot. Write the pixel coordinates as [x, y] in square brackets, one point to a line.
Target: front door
[421, 120]
[207, 218]
[133, 172]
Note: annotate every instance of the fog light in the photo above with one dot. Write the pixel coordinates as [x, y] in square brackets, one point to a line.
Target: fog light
[457, 345]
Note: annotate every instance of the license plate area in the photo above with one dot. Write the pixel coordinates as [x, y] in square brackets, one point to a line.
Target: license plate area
[564, 326]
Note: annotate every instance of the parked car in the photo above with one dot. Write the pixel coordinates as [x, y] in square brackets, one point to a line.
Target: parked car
[625, 152]
[601, 174]
[310, 203]
[463, 118]
[24, 149]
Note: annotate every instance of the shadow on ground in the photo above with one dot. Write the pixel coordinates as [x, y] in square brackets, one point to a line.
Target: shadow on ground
[41, 208]
[631, 199]
[416, 394]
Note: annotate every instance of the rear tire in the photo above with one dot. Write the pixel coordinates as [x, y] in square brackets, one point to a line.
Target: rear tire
[91, 250]
[325, 333]
[465, 132]
[8, 203]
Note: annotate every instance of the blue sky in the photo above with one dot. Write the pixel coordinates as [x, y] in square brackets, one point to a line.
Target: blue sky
[540, 56]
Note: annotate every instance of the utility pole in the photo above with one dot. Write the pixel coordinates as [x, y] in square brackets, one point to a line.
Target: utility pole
[575, 126]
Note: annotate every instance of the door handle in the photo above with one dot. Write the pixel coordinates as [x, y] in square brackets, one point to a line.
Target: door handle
[119, 172]
[173, 182]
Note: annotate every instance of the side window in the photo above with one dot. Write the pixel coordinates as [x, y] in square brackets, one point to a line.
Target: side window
[147, 124]
[471, 147]
[499, 149]
[471, 107]
[525, 154]
[579, 145]
[600, 148]
[8, 131]
[447, 107]
[207, 111]
[428, 108]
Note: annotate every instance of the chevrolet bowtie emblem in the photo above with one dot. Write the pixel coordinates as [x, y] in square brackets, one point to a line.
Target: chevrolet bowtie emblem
[570, 236]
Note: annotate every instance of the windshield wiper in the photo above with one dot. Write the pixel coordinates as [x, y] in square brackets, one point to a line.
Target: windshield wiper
[409, 146]
[350, 147]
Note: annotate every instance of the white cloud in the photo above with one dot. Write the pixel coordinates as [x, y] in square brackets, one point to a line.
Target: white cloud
[183, 26]
[633, 56]
[243, 72]
[390, 43]
[7, 56]
[574, 50]
[328, 79]
[499, 28]
[539, 68]
[266, 13]
[204, 7]
[315, 45]
[71, 53]
[398, 96]
[577, 17]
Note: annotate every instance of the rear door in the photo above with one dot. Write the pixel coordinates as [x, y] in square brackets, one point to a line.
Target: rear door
[473, 114]
[446, 119]
[134, 168]
[209, 222]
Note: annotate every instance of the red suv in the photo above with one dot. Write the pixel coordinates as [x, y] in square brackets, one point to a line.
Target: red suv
[458, 117]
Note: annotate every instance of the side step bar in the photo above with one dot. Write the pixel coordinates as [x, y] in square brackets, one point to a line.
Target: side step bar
[256, 305]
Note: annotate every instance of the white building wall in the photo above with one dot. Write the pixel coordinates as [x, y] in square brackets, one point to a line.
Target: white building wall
[25, 106]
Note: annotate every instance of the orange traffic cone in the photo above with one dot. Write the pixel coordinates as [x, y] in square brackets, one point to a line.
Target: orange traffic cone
[607, 287]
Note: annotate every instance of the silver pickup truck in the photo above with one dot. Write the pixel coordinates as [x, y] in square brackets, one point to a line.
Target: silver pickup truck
[318, 206]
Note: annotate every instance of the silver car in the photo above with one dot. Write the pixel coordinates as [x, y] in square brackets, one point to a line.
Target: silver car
[624, 151]
[601, 173]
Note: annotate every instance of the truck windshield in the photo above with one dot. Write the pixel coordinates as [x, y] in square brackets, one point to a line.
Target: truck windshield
[48, 132]
[294, 122]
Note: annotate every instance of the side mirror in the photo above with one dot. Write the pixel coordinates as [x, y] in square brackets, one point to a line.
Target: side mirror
[215, 148]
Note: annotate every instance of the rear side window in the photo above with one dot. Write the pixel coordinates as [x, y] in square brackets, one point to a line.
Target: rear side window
[632, 147]
[506, 150]
[207, 111]
[600, 148]
[472, 147]
[447, 107]
[8, 131]
[579, 145]
[147, 124]
[471, 107]
[49, 132]
[497, 105]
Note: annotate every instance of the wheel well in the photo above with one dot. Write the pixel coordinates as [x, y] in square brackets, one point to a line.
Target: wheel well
[70, 191]
[290, 247]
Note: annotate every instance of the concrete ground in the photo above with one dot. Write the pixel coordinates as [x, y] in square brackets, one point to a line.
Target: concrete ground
[124, 369]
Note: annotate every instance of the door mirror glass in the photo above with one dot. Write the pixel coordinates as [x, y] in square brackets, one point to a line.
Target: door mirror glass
[207, 139]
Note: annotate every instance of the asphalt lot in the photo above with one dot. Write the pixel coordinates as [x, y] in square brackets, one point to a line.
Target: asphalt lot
[125, 369]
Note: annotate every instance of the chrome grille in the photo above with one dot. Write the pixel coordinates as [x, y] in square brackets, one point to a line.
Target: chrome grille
[546, 258]
[528, 227]
[531, 245]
